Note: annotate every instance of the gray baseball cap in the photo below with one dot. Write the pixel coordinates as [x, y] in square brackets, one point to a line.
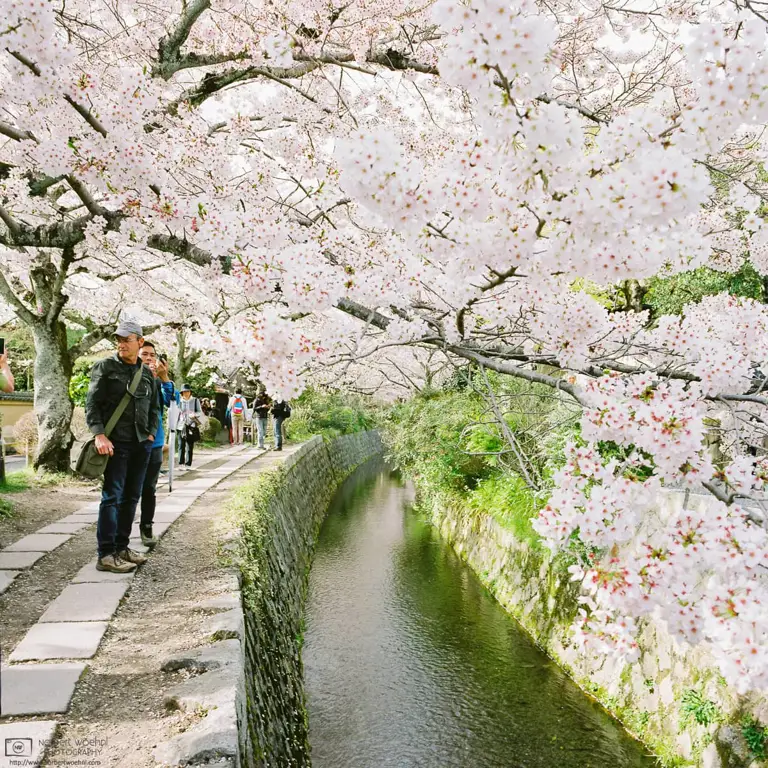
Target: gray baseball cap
[127, 327]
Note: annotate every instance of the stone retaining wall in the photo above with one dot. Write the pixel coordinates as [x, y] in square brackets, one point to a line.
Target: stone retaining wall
[664, 698]
[280, 516]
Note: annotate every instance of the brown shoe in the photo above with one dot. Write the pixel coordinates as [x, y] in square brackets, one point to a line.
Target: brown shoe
[113, 564]
[132, 557]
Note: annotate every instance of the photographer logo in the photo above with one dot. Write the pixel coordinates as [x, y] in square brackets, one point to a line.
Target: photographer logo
[18, 747]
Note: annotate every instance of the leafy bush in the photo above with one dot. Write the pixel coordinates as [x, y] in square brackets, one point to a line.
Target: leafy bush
[694, 707]
[80, 381]
[510, 502]
[25, 433]
[330, 414]
[212, 429]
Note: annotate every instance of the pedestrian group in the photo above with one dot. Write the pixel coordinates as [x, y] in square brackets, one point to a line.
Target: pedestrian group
[128, 395]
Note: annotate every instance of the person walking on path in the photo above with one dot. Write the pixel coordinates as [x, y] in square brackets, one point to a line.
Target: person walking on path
[128, 446]
[190, 419]
[166, 394]
[280, 412]
[261, 406]
[237, 406]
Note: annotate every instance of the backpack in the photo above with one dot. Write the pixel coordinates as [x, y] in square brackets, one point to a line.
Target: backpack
[238, 406]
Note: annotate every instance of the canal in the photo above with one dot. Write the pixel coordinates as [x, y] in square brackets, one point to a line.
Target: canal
[409, 661]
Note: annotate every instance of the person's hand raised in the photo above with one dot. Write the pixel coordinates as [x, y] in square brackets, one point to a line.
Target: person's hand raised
[161, 368]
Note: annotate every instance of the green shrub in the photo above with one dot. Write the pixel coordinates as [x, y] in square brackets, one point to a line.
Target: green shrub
[330, 414]
[756, 736]
[510, 502]
[211, 431]
[694, 708]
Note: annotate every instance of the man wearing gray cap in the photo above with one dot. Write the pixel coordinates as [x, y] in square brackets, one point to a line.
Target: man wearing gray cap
[128, 445]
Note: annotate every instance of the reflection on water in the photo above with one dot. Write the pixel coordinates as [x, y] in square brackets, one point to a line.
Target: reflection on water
[410, 662]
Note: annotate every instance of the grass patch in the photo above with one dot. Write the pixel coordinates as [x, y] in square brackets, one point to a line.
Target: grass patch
[510, 502]
[17, 481]
[6, 509]
[694, 708]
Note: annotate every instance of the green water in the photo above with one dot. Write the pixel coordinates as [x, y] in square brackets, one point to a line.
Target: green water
[410, 662]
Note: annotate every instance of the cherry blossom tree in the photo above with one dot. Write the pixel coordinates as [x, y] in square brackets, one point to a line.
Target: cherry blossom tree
[469, 177]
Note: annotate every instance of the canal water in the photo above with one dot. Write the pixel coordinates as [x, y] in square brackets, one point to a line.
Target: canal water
[410, 663]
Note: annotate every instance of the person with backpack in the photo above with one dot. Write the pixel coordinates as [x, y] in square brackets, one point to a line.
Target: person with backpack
[188, 427]
[237, 406]
[280, 412]
[261, 406]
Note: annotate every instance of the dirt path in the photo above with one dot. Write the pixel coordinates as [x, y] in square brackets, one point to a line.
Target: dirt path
[121, 698]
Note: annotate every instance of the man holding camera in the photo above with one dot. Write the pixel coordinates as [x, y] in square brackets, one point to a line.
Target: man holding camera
[165, 393]
[128, 446]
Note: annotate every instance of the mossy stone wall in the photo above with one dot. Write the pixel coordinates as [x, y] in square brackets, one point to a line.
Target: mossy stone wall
[674, 700]
[280, 516]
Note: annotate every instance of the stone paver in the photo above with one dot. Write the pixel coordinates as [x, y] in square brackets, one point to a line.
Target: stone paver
[85, 602]
[70, 528]
[79, 519]
[67, 640]
[24, 743]
[38, 689]
[6, 577]
[39, 542]
[10, 561]
[89, 575]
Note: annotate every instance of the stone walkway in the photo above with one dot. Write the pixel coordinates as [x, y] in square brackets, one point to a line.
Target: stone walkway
[40, 676]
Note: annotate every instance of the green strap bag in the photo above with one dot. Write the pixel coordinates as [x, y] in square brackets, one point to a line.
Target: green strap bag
[89, 462]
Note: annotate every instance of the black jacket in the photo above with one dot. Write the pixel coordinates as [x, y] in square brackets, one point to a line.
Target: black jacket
[262, 405]
[110, 379]
[281, 409]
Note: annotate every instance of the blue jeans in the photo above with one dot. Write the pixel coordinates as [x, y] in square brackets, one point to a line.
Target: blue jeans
[261, 427]
[123, 481]
[149, 489]
[279, 431]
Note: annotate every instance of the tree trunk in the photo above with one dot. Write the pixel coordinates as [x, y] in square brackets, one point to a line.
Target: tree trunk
[53, 406]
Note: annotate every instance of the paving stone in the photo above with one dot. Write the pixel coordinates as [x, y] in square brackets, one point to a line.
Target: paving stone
[6, 577]
[70, 528]
[39, 689]
[67, 640]
[39, 542]
[28, 740]
[80, 519]
[85, 602]
[168, 515]
[89, 575]
[12, 560]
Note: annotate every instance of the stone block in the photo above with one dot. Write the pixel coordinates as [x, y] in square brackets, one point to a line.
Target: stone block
[85, 602]
[27, 739]
[226, 602]
[66, 640]
[666, 691]
[212, 740]
[205, 659]
[6, 579]
[89, 575]
[70, 528]
[79, 519]
[39, 689]
[10, 561]
[39, 542]
[226, 625]
[710, 758]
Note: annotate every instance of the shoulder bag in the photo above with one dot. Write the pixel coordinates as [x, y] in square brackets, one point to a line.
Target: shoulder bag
[91, 463]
